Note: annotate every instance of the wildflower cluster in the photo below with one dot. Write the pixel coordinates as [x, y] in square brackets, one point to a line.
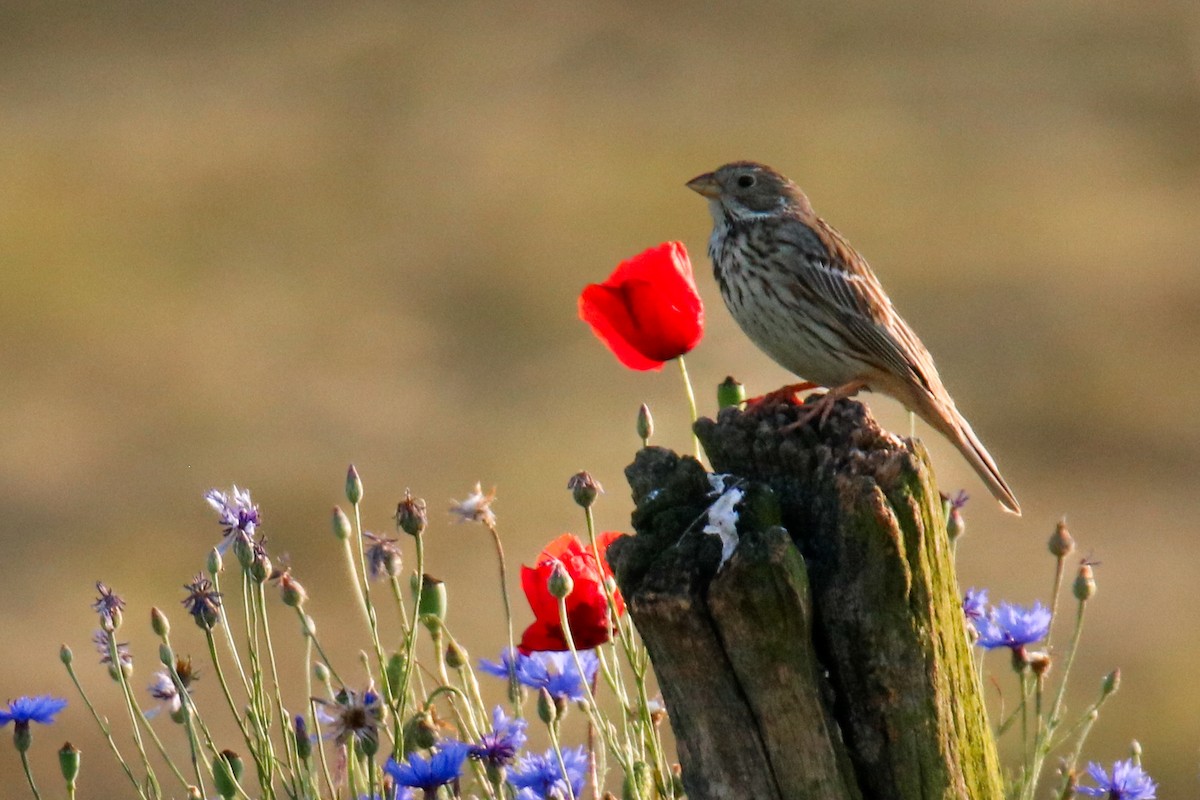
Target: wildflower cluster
[1041, 713]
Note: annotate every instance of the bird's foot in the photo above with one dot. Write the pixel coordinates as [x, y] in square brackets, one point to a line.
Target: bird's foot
[821, 408]
[784, 394]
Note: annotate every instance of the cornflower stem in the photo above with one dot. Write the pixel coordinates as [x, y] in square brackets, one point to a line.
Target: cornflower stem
[312, 710]
[33, 786]
[1059, 571]
[288, 743]
[552, 729]
[593, 710]
[106, 731]
[260, 718]
[133, 711]
[1042, 749]
[691, 399]
[233, 709]
[228, 629]
[514, 692]
[369, 609]
[410, 644]
[311, 634]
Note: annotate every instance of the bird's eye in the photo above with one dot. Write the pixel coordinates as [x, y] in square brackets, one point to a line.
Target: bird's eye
[745, 181]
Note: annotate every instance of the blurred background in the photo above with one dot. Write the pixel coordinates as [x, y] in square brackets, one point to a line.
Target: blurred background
[254, 244]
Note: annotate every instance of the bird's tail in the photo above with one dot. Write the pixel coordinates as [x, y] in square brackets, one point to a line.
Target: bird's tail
[942, 415]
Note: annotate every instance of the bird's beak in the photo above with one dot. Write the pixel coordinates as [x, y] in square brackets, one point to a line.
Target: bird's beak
[705, 185]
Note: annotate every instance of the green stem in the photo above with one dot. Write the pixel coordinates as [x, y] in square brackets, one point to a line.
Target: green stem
[691, 398]
[33, 786]
[562, 764]
[104, 729]
[514, 692]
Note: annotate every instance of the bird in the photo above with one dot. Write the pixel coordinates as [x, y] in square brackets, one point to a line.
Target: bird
[808, 300]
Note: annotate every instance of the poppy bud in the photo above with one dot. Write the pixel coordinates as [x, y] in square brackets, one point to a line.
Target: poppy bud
[291, 591]
[65, 655]
[214, 565]
[546, 707]
[227, 769]
[68, 762]
[645, 424]
[432, 608]
[421, 731]
[560, 582]
[730, 393]
[456, 656]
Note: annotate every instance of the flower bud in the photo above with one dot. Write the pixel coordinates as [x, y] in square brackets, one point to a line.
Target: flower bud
[411, 516]
[300, 733]
[432, 606]
[68, 762]
[354, 486]
[260, 567]
[341, 524]
[1085, 583]
[227, 769]
[214, 564]
[291, 591]
[309, 626]
[65, 655]
[421, 731]
[159, 623]
[1061, 544]
[645, 424]
[321, 672]
[584, 488]
[956, 524]
[547, 709]
[730, 393]
[456, 656]
[194, 793]
[1039, 662]
[1112, 682]
[166, 655]
[395, 671]
[1135, 752]
[560, 582]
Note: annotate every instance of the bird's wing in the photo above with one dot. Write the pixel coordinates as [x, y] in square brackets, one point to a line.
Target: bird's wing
[842, 283]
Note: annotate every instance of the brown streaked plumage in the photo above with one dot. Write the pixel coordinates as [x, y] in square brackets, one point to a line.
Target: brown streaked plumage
[810, 302]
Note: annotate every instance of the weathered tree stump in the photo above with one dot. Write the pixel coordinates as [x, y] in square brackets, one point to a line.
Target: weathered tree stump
[828, 658]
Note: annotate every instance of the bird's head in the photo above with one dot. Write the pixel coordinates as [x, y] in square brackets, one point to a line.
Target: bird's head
[745, 189]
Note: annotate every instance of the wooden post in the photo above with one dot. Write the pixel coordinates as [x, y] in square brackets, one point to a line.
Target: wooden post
[828, 658]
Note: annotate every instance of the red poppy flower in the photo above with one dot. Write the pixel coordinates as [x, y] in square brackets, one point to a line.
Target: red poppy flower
[587, 607]
[648, 311]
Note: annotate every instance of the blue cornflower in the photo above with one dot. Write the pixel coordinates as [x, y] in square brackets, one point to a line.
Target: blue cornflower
[975, 604]
[499, 747]
[539, 777]
[236, 511]
[1014, 626]
[1128, 782]
[24, 710]
[553, 671]
[427, 774]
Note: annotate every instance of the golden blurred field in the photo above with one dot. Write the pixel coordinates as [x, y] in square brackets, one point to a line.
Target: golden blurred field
[250, 243]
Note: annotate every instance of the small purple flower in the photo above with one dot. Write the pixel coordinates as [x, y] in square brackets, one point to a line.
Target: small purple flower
[100, 640]
[1128, 782]
[24, 710]
[975, 605]
[499, 747]
[442, 767]
[237, 513]
[1014, 626]
[539, 777]
[553, 671]
[203, 602]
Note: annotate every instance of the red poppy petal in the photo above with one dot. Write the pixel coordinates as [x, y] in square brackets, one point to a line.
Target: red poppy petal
[543, 604]
[540, 636]
[605, 310]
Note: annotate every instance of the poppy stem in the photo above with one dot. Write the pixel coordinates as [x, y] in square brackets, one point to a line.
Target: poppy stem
[691, 398]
